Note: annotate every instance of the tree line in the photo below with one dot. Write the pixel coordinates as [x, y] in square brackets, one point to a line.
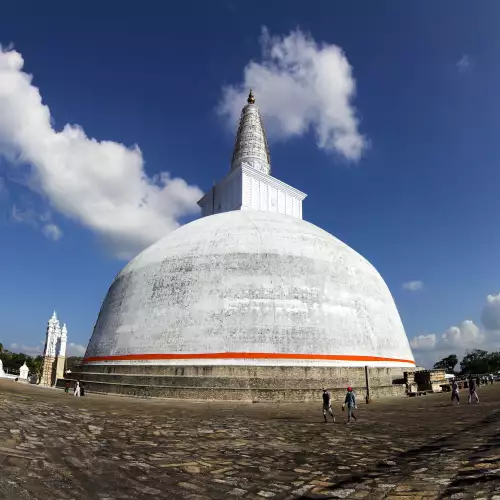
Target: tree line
[12, 361]
[476, 361]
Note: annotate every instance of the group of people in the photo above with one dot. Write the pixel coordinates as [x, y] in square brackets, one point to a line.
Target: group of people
[486, 379]
[350, 398]
[349, 404]
[79, 389]
[472, 383]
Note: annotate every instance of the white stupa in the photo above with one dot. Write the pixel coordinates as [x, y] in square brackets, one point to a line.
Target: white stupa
[24, 372]
[251, 291]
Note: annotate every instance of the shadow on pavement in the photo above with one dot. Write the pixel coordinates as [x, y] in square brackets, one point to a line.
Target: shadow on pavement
[486, 469]
[420, 457]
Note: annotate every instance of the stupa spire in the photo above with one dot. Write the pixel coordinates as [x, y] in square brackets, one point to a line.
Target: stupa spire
[249, 184]
[250, 147]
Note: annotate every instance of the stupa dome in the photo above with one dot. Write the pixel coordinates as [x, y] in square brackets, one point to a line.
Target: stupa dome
[249, 288]
[250, 302]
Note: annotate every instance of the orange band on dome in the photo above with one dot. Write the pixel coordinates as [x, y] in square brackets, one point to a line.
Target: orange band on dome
[247, 355]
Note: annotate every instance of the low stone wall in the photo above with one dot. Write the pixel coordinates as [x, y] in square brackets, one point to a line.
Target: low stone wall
[237, 383]
[340, 374]
[233, 394]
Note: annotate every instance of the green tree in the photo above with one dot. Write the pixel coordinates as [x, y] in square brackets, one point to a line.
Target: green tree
[6, 358]
[494, 361]
[447, 364]
[36, 365]
[478, 361]
[13, 361]
[73, 363]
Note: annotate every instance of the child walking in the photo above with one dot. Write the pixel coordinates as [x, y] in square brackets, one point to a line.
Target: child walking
[473, 390]
[327, 405]
[350, 402]
[454, 392]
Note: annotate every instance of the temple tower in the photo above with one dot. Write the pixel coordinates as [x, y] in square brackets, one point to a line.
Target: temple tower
[49, 352]
[249, 184]
[61, 354]
[54, 354]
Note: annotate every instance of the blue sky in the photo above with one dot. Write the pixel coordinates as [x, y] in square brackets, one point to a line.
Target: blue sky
[419, 201]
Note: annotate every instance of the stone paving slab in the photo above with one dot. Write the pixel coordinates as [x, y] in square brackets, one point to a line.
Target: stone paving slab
[58, 447]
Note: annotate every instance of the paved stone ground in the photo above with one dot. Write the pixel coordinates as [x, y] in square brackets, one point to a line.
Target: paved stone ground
[56, 447]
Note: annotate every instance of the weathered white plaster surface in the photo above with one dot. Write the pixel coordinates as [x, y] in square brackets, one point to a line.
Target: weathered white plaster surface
[251, 146]
[63, 341]
[250, 281]
[53, 333]
[264, 192]
[24, 371]
[248, 189]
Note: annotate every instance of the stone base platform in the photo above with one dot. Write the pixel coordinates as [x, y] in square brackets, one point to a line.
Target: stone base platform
[237, 383]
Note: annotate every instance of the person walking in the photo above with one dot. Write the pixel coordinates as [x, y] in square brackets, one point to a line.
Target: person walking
[77, 389]
[454, 392]
[327, 405]
[473, 390]
[350, 402]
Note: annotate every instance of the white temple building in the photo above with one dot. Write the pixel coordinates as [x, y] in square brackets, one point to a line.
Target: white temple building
[54, 353]
[247, 302]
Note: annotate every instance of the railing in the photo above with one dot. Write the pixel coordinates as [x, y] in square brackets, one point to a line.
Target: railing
[11, 371]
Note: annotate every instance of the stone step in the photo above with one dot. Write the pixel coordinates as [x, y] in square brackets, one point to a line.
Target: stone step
[228, 394]
[227, 382]
[342, 375]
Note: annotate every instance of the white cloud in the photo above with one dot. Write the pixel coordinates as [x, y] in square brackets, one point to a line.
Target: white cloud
[26, 349]
[413, 286]
[490, 316]
[464, 63]
[4, 193]
[101, 184]
[423, 342]
[459, 339]
[301, 85]
[52, 232]
[465, 336]
[27, 216]
[75, 349]
[37, 220]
